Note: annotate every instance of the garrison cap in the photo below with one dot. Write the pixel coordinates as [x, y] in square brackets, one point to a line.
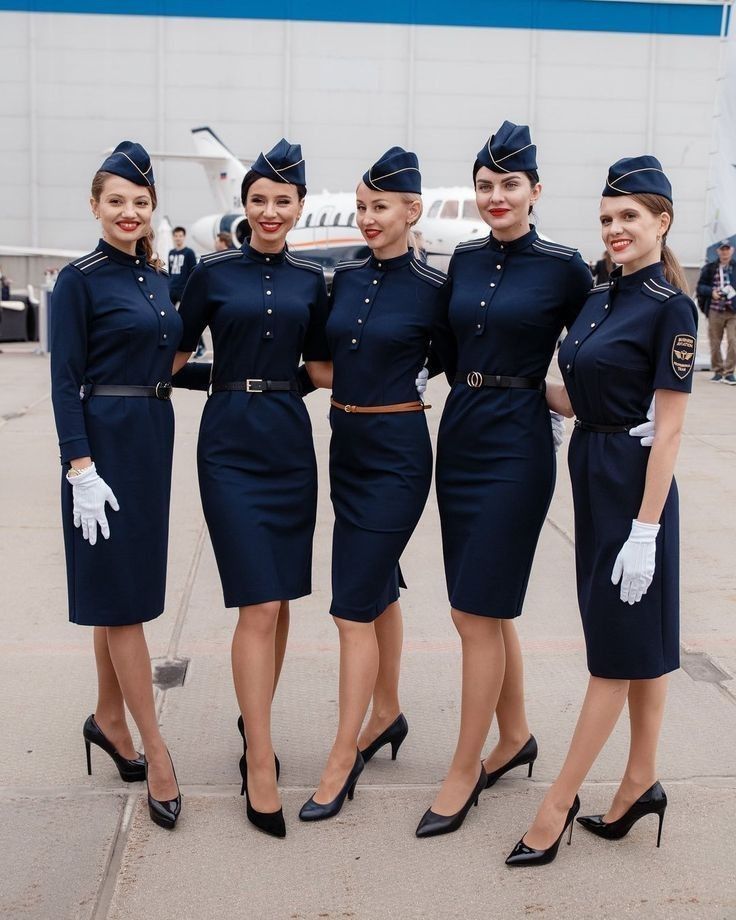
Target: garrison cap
[132, 162]
[637, 176]
[510, 149]
[282, 163]
[396, 171]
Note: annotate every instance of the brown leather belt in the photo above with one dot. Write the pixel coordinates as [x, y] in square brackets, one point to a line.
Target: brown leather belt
[396, 407]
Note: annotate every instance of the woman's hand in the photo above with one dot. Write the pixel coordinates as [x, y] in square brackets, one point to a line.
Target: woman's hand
[90, 493]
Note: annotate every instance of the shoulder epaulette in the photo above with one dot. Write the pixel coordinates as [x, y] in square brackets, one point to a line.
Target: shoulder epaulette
[556, 250]
[224, 256]
[303, 263]
[90, 262]
[658, 290]
[468, 245]
[426, 273]
[351, 263]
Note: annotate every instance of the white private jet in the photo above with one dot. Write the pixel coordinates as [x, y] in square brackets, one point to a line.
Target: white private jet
[327, 229]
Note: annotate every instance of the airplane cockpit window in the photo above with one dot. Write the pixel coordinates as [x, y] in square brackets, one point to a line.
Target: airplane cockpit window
[450, 210]
[470, 210]
[336, 221]
[308, 221]
[434, 209]
[351, 219]
[322, 220]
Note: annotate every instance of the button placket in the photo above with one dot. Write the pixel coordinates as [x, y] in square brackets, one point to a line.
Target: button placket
[141, 281]
[269, 303]
[484, 301]
[364, 309]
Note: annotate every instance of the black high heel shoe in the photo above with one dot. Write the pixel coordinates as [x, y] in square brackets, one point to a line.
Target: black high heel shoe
[527, 755]
[131, 771]
[433, 824]
[164, 813]
[314, 811]
[393, 735]
[652, 802]
[523, 855]
[270, 822]
[241, 729]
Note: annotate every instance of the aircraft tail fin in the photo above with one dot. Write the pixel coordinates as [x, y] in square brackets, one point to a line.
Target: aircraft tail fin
[224, 170]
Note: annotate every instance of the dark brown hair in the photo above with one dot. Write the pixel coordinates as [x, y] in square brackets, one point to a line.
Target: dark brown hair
[98, 184]
[673, 271]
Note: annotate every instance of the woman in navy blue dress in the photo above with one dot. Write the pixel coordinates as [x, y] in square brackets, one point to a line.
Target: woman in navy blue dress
[634, 338]
[384, 311]
[257, 469]
[114, 333]
[511, 295]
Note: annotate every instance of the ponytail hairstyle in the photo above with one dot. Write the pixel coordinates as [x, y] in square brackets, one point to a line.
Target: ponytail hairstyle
[98, 184]
[410, 198]
[673, 271]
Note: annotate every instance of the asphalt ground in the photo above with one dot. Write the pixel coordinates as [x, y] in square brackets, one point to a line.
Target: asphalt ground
[73, 846]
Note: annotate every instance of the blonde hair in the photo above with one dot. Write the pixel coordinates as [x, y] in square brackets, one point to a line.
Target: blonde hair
[673, 271]
[98, 184]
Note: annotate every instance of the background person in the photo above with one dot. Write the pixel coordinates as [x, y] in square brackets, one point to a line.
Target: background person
[114, 332]
[224, 241]
[182, 262]
[716, 294]
[629, 343]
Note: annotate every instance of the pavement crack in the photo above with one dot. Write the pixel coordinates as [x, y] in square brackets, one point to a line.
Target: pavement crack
[111, 871]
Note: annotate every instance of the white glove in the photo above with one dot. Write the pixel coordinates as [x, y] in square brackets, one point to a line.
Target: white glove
[634, 565]
[645, 431]
[558, 428]
[421, 382]
[90, 493]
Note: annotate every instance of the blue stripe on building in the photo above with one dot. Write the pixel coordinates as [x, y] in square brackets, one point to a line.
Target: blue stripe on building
[569, 15]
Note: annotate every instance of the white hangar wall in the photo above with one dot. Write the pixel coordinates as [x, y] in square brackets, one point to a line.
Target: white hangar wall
[72, 85]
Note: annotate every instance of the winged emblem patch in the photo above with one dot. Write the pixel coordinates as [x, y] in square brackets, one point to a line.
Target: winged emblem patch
[683, 354]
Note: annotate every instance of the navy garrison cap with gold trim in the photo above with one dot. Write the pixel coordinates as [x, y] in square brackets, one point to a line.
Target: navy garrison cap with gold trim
[396, 171]
[510, 149]
[282, 163]
[131, 161]
[637, 176]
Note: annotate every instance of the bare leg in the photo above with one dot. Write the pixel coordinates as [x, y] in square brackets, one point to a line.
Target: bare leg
[602, 707]
[646, 711]
[513, 728]
[253, 656]
[389, 630]
[110, 709]
[358, 672]
[483, 668]
[132, 662]
[282, 636]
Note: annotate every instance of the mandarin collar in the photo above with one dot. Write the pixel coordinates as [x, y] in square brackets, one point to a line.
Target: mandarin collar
[622, 282]
[265, 258]
[387, 265]
[117, 255]
[519, 243]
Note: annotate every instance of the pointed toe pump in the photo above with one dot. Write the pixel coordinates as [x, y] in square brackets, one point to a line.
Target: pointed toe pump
[164, 813]
[270, 822]
[523, 855]
[393, 735]
[314, 811]
[433, 824]
[241, 729]
[131, 771]
[527, 755]
[652, 802]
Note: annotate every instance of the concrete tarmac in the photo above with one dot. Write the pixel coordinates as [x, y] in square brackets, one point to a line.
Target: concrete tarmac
[73, 846]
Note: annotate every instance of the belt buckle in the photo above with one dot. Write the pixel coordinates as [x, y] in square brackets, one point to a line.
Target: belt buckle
[162, 390]
[349, 408]
[254, 385]
[475, 380]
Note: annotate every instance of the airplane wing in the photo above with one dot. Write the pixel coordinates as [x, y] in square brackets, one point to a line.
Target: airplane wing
[41, 251]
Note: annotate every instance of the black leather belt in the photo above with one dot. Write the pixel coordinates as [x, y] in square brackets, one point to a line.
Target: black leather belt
[159, 391]
[606, 429]
[253, 385]
[476, 380]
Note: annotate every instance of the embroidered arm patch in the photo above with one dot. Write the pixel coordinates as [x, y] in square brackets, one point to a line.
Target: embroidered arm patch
[683, 354]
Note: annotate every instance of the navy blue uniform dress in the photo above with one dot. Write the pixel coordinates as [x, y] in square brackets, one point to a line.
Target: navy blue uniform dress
[383, 315]
[257, 469]
[113, 323]
[631, 339]
[495, 457]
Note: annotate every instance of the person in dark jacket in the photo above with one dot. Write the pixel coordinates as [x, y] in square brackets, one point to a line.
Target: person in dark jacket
[716, 293]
